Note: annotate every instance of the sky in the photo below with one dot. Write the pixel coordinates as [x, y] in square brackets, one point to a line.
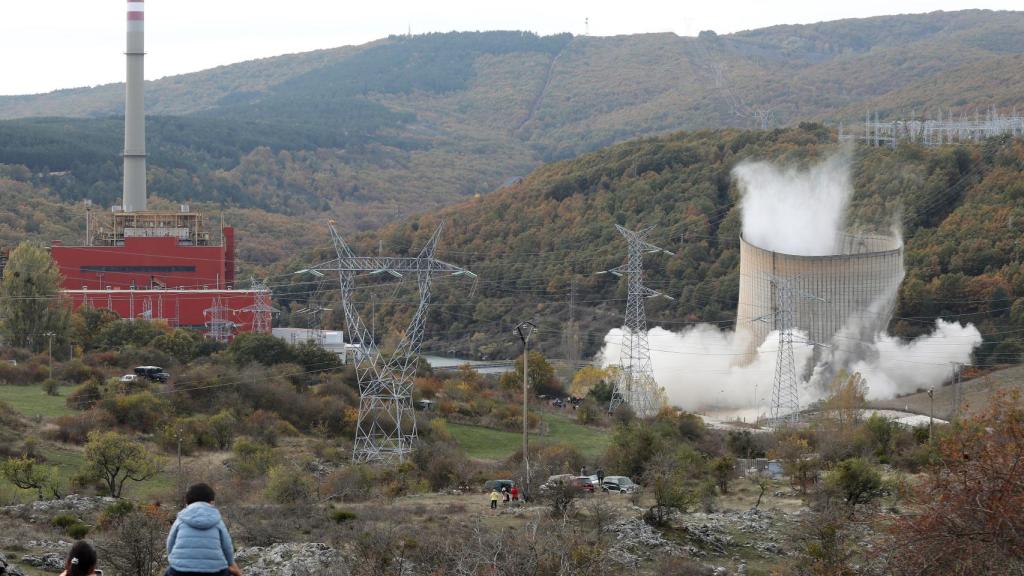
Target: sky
[71, 43]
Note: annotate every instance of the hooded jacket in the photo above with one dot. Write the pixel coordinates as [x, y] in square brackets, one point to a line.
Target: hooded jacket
[199, 541]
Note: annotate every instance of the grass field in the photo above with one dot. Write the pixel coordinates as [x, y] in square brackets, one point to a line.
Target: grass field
[489, 444]
[31, 401]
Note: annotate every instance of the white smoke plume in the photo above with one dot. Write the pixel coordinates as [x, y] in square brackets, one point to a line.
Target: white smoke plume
[795, 211]
[800, 212]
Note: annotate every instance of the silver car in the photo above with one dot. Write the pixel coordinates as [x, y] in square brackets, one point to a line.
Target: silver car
[620, 484]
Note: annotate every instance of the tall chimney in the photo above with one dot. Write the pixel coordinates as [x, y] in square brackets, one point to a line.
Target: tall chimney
[134, 194]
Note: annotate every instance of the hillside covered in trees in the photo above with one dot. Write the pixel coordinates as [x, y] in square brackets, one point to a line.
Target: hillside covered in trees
[376, 132]
[538, 245]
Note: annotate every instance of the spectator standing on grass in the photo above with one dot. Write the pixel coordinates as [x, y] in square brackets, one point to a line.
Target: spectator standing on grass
[494, 499]
[199, 542]
[515, 494]
[81, 560]
[505, 495]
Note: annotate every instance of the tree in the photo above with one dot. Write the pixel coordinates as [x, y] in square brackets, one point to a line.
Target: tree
[27, 474]
[847, 398]
[723, 469]
[180, 343]
[793, 450]
[968, 515]
[31, 305]
[314, 358]
[136, 545]
[587, 378]
[541, 375]
[676, 480]
[263, 348]
[115, 459]
[856, 480]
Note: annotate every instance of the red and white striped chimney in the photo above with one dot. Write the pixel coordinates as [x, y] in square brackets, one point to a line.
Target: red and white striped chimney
[134, 193]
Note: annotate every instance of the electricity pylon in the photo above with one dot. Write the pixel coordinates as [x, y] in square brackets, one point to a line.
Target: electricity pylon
[635, 384]
[785, 402]
[261, 309]
[219, 327]
[386, 429]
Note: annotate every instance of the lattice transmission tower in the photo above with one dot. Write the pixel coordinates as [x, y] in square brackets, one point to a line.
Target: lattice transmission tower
[785, 401]
[635, 384]
[261, 309]
[386, 429]
[219, 327]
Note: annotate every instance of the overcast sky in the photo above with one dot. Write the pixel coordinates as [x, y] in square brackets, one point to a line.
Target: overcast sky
[46, 45]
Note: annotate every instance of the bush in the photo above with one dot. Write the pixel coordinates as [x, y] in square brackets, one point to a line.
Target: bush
[75, 428]
[252, 458]
[115, 512]
[856, 480]
[289, 485]
[64, 519]
[342, 516]
[78, 530]
[76, 372]
[142, 411]
[84, 396]
[51, 387]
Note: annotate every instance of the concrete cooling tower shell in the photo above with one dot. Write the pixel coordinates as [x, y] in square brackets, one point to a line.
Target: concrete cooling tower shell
[858, 285]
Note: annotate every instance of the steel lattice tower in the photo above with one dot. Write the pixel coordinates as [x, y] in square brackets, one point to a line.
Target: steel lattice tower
[218, 324]
[785, 402]
[386, 429]
[262, 310]
[635, 385]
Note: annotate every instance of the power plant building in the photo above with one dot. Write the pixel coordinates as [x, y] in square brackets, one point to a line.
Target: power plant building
[153, 264]
[851, 291]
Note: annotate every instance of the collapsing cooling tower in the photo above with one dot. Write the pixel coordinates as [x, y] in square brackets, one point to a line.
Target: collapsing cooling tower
[855, 289]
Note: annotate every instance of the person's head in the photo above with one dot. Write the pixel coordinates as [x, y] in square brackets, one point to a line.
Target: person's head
[199, 493]
[81, 560]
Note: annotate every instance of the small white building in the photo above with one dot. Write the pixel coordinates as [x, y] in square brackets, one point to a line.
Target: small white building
[330, 340]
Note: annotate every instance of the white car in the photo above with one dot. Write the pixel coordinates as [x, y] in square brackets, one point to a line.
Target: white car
[129, 379]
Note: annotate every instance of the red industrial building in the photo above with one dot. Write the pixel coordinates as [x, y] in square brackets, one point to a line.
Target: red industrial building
[163, 265]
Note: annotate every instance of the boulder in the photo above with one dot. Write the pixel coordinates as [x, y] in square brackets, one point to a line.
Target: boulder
[292, 559]
[7, 569]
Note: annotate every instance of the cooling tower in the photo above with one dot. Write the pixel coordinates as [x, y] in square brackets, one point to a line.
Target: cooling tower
[852, 291]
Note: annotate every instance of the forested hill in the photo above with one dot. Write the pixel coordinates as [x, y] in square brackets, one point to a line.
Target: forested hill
[375, 132]
[539, 244]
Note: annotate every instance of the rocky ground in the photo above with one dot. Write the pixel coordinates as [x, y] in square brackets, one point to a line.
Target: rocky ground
[736, 540]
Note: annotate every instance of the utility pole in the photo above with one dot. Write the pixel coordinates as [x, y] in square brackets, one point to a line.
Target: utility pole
[931, 413]
[958, 395]
[177, 436]
[525, 329]
[49, 353]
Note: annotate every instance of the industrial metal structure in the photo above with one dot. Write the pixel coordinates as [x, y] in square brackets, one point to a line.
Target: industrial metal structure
[945, 129]
[635, 384]
[156, 265]
[855, 290]
[785, 399]
[386, 427]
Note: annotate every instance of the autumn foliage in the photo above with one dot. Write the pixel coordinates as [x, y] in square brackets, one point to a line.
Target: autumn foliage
[970, 512]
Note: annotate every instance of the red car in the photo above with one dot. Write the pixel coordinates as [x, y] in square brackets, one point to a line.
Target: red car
[583, 483]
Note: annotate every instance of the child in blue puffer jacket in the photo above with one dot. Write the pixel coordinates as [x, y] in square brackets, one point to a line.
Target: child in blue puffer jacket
[199, 543]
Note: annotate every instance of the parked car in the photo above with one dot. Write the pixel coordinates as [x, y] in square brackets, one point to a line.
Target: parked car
[498, 485]
[155, 373]
[557, 481]
[620, 484]
[129, 379]
[584, 483]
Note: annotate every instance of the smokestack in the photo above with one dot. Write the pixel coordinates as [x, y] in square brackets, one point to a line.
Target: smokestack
[134, 194]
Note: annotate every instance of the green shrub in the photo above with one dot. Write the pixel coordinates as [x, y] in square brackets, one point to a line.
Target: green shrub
[51, 387]
[64, 520]
[252, 458]
[289, 485]
[78, 530]
[342, 516]
[115, 512]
